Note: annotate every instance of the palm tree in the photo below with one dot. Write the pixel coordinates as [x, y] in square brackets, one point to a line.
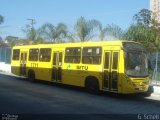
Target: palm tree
[47, 31]
[148, 36]
[103, 32]
[1, 19]
[31, 33]
[115, 31]
[84, 29]
[53, 33]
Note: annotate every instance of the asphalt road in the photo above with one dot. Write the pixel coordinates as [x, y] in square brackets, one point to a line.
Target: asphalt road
[19, 96]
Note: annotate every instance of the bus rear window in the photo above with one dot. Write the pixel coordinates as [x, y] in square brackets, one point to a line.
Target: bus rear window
[91, 55]
[45, 54]
[33, 54]
[16, 54]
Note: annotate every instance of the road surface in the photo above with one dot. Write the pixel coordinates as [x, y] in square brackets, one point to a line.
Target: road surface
[19, 96]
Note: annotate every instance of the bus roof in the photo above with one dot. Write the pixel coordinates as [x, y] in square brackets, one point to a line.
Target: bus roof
[100, 43]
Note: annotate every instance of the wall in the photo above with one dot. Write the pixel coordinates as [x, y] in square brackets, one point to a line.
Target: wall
[5, 67]
[5, 54]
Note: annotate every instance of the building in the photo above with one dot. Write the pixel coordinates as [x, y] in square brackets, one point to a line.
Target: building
[5, 53]
[155, 8]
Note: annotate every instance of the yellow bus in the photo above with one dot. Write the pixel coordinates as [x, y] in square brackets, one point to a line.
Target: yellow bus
[114, 66]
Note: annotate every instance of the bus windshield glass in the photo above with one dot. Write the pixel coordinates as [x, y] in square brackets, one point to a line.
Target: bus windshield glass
[136, 63]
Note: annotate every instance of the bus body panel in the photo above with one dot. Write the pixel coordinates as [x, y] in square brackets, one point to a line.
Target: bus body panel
[113, 79]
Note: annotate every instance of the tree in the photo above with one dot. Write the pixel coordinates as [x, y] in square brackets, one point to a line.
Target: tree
[71, 37]
[53, 33]
[1, 19]
[115, 31]
[31, 33]
[84, 29]
[1, 38]
[146, 30]
[102, 31]
[144, 35]
[102, 34]
[11, 40]
[143, 17]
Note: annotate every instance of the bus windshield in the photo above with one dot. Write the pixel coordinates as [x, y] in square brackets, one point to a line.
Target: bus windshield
[136, 63]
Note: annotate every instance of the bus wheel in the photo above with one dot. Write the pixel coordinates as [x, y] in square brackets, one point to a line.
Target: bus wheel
[92, 85]
[31, 76]
[149, 92]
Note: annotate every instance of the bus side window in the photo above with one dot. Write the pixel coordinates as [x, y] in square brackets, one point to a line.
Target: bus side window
[45, 54]
[115, 60]
[72, 55]
[106, 62]
[33, 54]
[91, 55]
[16, 54]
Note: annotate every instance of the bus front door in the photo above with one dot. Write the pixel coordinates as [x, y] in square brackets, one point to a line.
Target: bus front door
[57, 67]
[23, 63]
[110, 79]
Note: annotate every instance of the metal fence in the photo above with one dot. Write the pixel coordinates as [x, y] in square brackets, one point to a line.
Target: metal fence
[155, 65]
[155, 80]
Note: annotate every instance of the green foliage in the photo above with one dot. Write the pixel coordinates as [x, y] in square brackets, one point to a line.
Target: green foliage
[145, 30]
[11, 40]
[53, 33]
[31, 33]
[70, 37]
[115, 31]
[143, 17]
[102, 31]
[84, 29]
[33, 36]
[1, 19]
[145, 35]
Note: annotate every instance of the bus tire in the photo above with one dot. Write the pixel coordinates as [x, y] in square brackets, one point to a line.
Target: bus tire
[31, 76]
[149, 92]
[92, 85]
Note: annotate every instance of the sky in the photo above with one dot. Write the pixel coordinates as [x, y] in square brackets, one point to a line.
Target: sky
[16, 13]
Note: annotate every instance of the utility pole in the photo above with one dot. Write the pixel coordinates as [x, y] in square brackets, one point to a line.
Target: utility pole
[32, 27]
